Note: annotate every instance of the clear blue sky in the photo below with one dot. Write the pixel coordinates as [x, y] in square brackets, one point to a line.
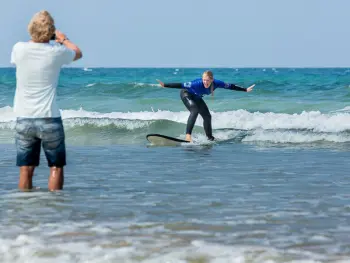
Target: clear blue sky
[192, 33]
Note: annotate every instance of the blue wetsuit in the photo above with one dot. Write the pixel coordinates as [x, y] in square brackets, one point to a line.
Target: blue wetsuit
[191, 95]
[196, 87]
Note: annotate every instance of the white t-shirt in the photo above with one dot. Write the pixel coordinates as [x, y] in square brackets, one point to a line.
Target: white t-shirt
[38, 68]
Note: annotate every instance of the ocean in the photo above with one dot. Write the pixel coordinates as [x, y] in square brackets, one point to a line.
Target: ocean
[273, 187]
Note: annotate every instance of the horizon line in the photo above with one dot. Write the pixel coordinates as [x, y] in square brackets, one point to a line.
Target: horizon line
[198, 67]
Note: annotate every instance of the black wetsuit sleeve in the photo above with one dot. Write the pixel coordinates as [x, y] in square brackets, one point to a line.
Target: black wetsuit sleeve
[235, 87]
[224, 85]
[173, 85]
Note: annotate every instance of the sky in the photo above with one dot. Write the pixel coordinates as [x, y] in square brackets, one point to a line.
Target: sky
[191, 33]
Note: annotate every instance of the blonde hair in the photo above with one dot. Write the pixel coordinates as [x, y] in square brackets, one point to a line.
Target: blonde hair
[208, 73]
[41, 27]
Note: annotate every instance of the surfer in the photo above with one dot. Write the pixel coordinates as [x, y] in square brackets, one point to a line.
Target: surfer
[191, 95]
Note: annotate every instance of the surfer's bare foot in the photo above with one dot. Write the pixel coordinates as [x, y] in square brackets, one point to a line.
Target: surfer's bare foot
[188, 138]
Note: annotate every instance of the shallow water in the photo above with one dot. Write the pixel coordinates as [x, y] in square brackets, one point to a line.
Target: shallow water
[273, 188]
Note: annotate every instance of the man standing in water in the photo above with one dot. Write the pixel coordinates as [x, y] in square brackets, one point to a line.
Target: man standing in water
[39, 123]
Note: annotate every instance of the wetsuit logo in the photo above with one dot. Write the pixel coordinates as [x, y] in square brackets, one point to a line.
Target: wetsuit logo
[187, 84]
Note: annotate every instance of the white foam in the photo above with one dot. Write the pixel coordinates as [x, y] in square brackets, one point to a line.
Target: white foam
[345, 109]
[131, 249]
[143, 115]
[98, 122]
[7, 114]
[294, 137]
[140, 84]
[270, 127]
[240, 119]
[122, 242]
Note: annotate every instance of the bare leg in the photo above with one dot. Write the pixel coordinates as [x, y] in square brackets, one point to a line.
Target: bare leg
[25, 177]
[188, 137]
[56, 179]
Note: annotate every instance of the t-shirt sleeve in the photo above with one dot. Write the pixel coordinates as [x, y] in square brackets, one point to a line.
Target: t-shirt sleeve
[67, 56]
[13, 54]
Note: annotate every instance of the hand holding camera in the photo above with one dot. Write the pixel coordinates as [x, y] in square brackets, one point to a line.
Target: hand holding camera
[59, 37]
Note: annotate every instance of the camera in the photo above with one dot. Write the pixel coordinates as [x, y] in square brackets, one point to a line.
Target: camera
[53, 37]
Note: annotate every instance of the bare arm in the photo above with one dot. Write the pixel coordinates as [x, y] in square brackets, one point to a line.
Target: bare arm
[250, 88]
[62, 39]
[69, 44]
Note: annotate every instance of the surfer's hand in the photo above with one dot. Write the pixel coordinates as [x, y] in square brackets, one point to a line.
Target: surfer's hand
[160, 83]
[249, 89]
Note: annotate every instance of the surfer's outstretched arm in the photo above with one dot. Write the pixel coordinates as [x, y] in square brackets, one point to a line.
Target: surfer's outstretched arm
[173, 85]
[170, 85]
[221, 84]
[238, 88]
